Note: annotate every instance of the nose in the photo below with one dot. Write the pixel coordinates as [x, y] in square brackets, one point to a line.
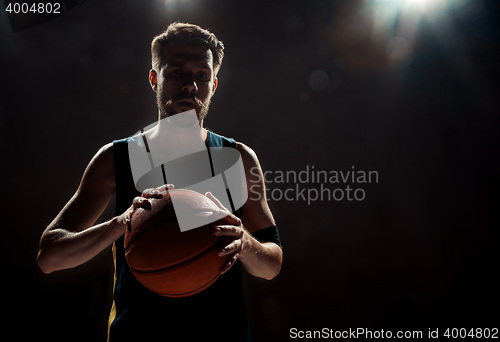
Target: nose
[190, 85]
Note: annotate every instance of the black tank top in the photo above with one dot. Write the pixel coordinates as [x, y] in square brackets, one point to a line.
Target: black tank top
[138, 314]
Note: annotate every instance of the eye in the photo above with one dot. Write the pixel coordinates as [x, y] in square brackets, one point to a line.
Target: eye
[175, 72]
[203, 76]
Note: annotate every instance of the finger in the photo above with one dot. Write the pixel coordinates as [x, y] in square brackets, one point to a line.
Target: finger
[127, 216]
[151, 193]
[223, 213]
[228, 231]
[231, 248]
[140, 202]
[227, 217]
[165, 188]
[157, 192]
[230, 262]
[231, 219]
[216, 201]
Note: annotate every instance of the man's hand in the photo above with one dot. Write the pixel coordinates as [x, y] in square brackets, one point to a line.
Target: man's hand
[234, 229]
[259, 259]
[143, 201]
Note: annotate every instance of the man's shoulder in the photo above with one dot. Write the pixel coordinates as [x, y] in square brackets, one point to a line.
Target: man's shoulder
[100, 170]
[245, 149]
[123, 141]
[248, 156]
[105, 153]
[120, 147]
[218, 140]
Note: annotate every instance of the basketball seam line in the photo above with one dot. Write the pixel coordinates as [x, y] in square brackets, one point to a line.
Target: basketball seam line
[178, 264]
[145, 230]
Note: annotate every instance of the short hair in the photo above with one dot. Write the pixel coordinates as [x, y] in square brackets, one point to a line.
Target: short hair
[190, 34]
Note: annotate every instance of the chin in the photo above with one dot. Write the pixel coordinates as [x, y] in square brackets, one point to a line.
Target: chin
[166, 114]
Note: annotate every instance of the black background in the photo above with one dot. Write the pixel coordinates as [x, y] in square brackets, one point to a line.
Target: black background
[418, 252]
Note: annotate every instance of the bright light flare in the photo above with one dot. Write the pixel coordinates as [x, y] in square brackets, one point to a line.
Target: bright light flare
[424, 5]
[414, 6]
[421, 3]
[394, 24]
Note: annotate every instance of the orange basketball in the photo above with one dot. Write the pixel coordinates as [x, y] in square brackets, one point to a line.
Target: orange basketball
[164, 259]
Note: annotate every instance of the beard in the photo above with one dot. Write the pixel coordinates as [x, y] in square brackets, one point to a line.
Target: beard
[165, 106]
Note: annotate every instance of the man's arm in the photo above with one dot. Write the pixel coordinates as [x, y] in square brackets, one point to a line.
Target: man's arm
[262, 260]
[71, 239]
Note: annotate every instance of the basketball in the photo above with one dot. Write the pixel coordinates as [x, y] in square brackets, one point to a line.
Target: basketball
[164, 259]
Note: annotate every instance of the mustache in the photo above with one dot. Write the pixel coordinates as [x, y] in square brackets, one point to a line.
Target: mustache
[186, 96]
[165, 105]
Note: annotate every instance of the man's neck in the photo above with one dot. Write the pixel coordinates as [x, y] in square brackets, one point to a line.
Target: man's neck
[164, 125]
[171, 139]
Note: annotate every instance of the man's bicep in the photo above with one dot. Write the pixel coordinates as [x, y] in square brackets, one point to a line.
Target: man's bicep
[256, 214]
[93, 194]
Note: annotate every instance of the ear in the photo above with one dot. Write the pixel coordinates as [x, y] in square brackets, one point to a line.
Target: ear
[214, 86]
[152, 80]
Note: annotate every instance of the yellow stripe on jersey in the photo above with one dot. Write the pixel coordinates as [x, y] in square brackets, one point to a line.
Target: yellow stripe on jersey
[112, 313]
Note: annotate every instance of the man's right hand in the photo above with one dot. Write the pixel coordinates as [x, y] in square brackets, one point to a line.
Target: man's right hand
[143, 200]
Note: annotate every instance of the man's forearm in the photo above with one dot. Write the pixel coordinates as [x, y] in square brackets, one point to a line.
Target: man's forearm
[262, 260]
[62, 249]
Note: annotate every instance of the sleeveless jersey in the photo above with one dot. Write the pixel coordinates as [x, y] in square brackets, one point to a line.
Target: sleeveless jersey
[138, 314]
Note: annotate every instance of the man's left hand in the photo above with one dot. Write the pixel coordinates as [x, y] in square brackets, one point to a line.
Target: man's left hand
[235, 229]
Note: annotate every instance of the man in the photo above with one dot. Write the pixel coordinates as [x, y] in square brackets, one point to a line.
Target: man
[185, 62]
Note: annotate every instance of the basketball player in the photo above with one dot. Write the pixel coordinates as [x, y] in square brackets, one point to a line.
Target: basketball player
[185, 62]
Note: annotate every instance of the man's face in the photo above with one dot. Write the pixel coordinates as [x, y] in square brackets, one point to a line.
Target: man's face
[185, 80]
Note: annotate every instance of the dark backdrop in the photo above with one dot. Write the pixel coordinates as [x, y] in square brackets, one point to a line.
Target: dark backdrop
[328, 84]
